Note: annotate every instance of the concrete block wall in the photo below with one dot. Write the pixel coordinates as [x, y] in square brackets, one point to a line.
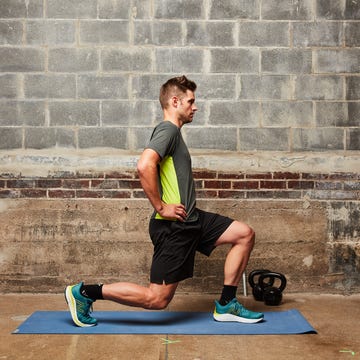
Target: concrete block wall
[277, 131]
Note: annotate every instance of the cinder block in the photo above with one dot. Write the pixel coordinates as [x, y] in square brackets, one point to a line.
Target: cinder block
[18, 113]
[284, 61]
[69, 9]
[73, 60]
[10, 138]
[11, 32]
[264, 34]
[317, 34]
[148, 86]
[270, 139]
[179, 60]
[292, 114]
[335, 10]
[199, 33]
[224, 138]
[179, 9]
[158, 33]
[330, 10]
[127, 113]
[42, 138]
[21, 59]
[338, 61]
[115, 9]
[352, 34]
[353, 114]
[103, 137]
[71, 113]
[234, 60]
[331, 114]
[103, 87]
[265, 87]
[287, 10]
[104, 32]
[140, 137]
[50, 32]
[8, 86]
[309, 87]
[21, 9]
[352, 88]
[352, 10]
[353, 139]
[243, 113]
[214, 86]
[50, 86]
[126, 59]
[320, 139]
[229, 9]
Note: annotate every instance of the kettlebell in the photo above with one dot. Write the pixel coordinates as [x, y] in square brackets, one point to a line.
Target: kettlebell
[257, 290]
[272, 295]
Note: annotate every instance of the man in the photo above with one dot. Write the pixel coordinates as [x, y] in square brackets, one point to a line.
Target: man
[177, 228]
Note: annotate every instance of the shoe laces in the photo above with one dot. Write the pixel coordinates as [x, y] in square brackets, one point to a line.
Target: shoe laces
[85, 307]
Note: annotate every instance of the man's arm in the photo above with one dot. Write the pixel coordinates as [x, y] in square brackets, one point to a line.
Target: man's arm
[147, 170]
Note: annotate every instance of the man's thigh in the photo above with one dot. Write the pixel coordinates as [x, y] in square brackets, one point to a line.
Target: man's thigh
[235, 233]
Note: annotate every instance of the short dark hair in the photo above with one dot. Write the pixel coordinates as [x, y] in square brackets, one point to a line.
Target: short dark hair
[172, 88]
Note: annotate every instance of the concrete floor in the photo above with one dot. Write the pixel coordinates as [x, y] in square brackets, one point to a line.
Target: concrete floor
[335, 317]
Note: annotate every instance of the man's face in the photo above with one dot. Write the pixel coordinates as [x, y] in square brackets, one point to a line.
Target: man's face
[187, 107]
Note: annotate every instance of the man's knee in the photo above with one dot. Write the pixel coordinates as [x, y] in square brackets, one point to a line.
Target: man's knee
[158, 300]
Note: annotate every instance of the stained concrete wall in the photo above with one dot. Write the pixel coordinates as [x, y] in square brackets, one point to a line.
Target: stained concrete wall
[275, 141]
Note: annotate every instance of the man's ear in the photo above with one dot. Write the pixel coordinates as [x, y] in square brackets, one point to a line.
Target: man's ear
[175, 101]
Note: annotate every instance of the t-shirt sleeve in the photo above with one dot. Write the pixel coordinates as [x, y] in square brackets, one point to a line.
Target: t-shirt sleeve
[163, 139]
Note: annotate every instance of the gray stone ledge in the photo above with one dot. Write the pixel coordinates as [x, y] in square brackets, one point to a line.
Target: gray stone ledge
[48, 162]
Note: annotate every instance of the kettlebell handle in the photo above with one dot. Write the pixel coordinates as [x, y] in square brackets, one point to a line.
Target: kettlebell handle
[258, 272]
[273, 275]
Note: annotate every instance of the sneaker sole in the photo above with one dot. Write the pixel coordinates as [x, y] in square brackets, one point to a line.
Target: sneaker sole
[72, 307]
[234, 318]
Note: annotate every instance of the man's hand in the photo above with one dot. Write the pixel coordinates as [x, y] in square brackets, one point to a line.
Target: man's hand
[173, 212]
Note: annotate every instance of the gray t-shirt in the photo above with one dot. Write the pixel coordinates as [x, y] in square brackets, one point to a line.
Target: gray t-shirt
[176, 183]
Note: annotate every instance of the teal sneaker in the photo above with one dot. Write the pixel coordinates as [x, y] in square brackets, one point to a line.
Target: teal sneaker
[80, 306]
[234, 311]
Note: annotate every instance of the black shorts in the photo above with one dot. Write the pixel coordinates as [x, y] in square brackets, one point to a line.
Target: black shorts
[175, 244]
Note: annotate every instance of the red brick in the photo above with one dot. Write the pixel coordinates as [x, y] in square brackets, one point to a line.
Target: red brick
[104, 184]
[260, 194]
[61, 194]
[311, 176]
[300, 184]
[272, 184]
[121, 175]
[98, 194]
[139, 194]
[234, 176]
[231, 194]
[199, 184]
[203, 174]
[8, 194]
[206, 194]
[259, 176]
[13, 184]
[76, 184]
[217, 184]
[129, 184]
[344, 176]
[245, 185]
[286, 175]
[48, 183]
[33, 193]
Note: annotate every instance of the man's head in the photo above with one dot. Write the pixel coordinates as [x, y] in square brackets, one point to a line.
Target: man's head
[176, 86]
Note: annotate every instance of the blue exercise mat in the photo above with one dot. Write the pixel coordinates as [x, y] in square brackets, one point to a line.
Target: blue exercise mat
[164, 322]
